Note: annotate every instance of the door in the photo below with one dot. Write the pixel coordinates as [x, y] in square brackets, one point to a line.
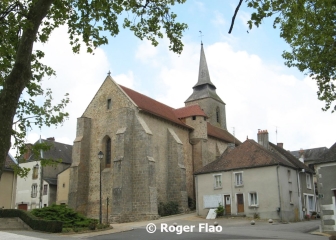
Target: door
[227, 204]
[240, 203]
[23, 207]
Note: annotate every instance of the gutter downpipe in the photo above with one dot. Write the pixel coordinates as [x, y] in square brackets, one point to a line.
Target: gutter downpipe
[300, 199]
[280, 214]
[41, 175]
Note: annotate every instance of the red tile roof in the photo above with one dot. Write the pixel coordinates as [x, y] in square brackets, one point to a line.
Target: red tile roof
[154, 107]
[192, 110]
[161, 110]
[249, 154]
[222, 134]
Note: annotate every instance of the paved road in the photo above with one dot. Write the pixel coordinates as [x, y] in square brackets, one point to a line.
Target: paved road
[237, 228]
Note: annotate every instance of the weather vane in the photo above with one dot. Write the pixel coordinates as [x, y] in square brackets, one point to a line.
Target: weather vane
[201, 35]
[109, 73]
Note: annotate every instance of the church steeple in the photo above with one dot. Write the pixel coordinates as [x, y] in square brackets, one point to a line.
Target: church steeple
[204, 94]
[203, 72]
[204, 88]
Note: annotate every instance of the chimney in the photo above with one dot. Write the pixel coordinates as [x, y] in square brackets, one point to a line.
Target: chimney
[263, 138]
[280, 145]
[28, 151]
[301, 155]
[51, 139]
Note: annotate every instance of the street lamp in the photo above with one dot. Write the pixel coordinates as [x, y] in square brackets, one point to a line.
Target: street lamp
[100, 156]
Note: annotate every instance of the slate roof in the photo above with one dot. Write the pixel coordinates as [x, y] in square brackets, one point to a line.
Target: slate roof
[312, 154]
[51, 181]
[204, 88]
[291, 158]
[9, 162]
[249, 154]
[57, 151]
[330, 155]
[188, 111]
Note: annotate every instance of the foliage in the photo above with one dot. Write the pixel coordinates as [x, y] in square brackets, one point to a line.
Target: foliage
[256, 216]
[191, 203]
[67, 216]
[32, 221]
[307, 217]
[309, 27]
[169, 208]
[220, 210]
[23, 102]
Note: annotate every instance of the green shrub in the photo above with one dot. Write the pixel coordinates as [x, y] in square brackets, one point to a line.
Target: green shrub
[256, 216]
[169, 208]
[32, 221]
[220, 210]
[69, 217]
[191, 203]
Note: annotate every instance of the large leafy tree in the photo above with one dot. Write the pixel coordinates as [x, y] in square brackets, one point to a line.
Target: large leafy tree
[25, 22]
[309, 27]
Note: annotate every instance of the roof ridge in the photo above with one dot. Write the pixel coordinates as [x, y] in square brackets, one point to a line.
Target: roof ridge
[145, 96]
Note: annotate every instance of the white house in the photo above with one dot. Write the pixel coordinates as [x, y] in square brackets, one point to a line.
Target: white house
[256, 179]
[39, 188]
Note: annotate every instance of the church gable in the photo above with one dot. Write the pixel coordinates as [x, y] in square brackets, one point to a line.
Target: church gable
[109, 97]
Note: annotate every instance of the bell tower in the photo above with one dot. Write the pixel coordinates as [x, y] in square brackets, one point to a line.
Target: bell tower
[204, 94]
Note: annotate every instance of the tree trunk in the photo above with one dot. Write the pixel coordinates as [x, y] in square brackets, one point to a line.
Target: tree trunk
[19, 77]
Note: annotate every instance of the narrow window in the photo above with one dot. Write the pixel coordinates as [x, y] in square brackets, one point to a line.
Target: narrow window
[34, 190]
[108, 153]
[218, 181]
[308, 180]
[194, 118]
[290, 197]
[239, 179]
[64, 185]
[45, 189]
[108, 103]
[35, 171]
[218, 115]
[253, 198]
[289, 175]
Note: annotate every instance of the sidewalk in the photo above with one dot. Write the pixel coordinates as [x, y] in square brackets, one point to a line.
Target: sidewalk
[230, 225]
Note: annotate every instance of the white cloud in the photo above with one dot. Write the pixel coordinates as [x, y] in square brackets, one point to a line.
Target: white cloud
[146, 51]
[126, 80]
[219, 19]
[80, 75]
[258, 96]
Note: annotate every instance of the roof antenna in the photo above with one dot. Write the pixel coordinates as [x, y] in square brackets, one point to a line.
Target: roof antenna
[276, 135]
[201, 35]
[234, 138]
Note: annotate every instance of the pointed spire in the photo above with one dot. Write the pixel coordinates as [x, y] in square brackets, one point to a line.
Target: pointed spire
[203, 72]
[204, 88]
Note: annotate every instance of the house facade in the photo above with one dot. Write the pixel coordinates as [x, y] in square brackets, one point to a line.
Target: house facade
[8, 184]
[39, 188]
[326, 184]
[254, 179]
[150, 149]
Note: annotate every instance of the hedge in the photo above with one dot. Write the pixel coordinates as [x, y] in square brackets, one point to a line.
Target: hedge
[32, 221]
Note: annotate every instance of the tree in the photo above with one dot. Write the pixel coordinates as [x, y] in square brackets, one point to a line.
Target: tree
[309, 27]
[25, 22]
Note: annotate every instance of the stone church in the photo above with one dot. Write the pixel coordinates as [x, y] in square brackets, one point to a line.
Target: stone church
[150, 150]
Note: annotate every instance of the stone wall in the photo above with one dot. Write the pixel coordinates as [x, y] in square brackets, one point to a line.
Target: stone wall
[209, 106]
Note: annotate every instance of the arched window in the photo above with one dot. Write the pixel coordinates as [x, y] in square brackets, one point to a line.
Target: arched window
[218, 115]
[108, 153]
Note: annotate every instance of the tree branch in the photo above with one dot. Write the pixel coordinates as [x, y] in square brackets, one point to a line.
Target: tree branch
[234, 16]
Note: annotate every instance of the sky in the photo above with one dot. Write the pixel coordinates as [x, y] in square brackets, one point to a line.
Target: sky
[246, 66]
